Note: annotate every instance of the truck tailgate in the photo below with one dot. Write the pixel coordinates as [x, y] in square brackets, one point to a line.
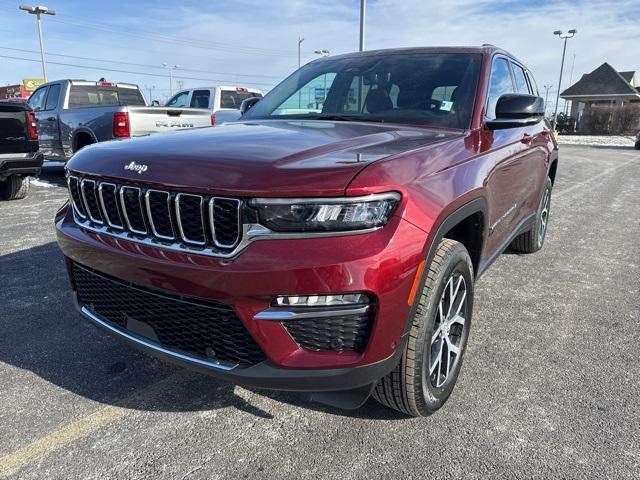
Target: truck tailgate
[147, 120]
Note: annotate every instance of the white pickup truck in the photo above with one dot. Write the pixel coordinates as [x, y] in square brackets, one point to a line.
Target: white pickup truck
[72, 114]
[223, 102]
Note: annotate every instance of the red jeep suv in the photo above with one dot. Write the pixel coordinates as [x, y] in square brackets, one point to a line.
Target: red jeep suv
[330, 240]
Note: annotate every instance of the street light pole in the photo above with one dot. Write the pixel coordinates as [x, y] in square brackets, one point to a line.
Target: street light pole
[546, 96]
[171, 68]
[300, 40]
[363, 9]
[560, 35]
[37, 11]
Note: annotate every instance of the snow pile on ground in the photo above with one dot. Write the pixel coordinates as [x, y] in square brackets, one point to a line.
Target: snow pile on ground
[599, 140]
[41, 183]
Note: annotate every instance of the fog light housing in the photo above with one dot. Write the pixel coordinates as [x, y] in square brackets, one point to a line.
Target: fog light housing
[341, 300]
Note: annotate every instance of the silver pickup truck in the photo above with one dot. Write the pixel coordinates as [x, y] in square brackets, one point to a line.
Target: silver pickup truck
[72, 114]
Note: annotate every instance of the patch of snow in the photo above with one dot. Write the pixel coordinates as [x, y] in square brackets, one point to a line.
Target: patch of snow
[597, 140]
[41, 183]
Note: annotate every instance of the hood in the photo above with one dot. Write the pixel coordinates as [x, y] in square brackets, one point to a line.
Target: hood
[267, 158]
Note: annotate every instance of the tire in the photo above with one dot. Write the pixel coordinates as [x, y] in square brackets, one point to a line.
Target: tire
[637, 145]
[532, 240]
[14, 188]
[411, 388]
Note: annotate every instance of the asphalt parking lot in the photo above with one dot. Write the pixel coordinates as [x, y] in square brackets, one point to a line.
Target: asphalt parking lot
[549, 388]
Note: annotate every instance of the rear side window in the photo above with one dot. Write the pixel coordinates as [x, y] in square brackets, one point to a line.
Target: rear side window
[52, 98]
[233, 98]
[499, 84]
[96, 95]
[36, 100]
[521, 79]
[200, 99]
[130, 96]
[180, 100]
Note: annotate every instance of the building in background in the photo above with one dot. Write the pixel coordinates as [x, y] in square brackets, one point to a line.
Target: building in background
[21, 91]
[605, 101]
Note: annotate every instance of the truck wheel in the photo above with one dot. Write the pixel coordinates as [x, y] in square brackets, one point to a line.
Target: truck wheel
[424, 379]
[637, 145]
[532, 240]
[14, 188]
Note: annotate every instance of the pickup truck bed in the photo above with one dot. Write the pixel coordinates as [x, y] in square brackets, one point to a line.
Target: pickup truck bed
[72, 114]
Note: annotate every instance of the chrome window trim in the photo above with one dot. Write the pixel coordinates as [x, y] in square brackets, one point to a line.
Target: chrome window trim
[124, 209]
[148, 207]
[86, 204]
[73, 202]
[104, 210]
[212, 221]
[182, 235]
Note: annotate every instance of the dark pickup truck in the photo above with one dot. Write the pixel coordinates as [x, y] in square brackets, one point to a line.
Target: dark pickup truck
[19, 153]
[328, 242]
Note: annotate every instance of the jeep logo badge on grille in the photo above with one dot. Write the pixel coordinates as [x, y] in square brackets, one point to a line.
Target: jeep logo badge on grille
[136, 167]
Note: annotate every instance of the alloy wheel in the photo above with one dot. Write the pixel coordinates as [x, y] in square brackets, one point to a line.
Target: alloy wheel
[448, 329]
[544, 215]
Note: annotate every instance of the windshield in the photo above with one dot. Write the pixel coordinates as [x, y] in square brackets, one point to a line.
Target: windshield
[432, 89]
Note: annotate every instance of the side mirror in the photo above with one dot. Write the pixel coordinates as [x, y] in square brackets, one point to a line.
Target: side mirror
[247, 104]
[515, 110]
[155, 103]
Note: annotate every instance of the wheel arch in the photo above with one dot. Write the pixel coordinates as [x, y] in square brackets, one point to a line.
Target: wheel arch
[452, 226]
[82, 133]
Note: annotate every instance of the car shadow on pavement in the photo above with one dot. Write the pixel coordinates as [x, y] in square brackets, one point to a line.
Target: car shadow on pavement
[53, 175]
[41, 332]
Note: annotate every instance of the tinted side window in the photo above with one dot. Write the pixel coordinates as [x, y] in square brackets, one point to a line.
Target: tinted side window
[52, 98]
[36, 100]
[200, 99]
[233, 98]
[130, 96]
[499, 84]
[521, 79]
[180, 100]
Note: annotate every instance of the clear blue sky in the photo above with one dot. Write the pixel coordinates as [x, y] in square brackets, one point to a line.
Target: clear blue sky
[254, 43]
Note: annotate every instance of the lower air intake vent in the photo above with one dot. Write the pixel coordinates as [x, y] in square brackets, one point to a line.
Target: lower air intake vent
[348, 332]
[201, 329]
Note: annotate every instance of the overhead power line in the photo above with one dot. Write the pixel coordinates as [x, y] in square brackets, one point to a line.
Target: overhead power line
[146, 74]
[233, 47]
[158, 67]
[140, 33]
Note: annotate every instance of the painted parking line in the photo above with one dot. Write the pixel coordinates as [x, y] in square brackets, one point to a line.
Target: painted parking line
[604, 173]
[11, 462]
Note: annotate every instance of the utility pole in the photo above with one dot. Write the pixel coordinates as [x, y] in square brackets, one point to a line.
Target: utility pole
[546, 96]
[570, 34]
[151, 89]
[37, 11]
[171, 68]
[363, 8]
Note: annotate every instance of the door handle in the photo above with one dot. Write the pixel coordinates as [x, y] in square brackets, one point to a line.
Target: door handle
[526, 139]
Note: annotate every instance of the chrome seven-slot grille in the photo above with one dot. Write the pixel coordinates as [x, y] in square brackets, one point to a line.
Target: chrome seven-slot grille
[185, 221]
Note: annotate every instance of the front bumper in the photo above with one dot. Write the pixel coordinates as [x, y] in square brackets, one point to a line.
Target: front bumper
[382, 263]
[20, 164]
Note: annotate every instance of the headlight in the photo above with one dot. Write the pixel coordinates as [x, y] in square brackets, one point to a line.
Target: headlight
[325, 214]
